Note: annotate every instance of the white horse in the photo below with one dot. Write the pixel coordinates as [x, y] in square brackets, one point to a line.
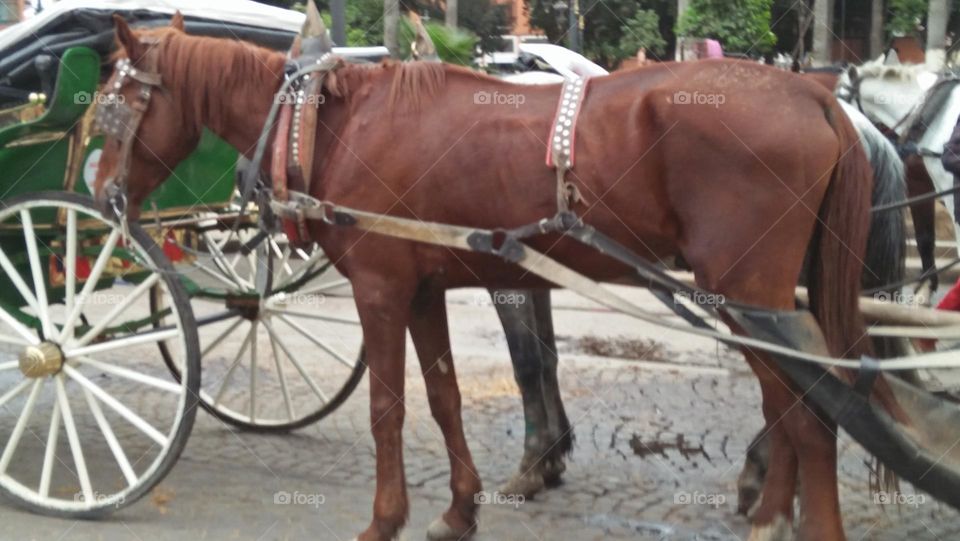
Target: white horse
[913, 100]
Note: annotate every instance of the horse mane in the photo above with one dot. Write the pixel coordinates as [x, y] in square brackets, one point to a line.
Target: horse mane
[411, 85]
[876, 69]
[242, 68]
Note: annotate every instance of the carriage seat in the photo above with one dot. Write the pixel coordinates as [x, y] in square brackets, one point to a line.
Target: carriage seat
[76, 84]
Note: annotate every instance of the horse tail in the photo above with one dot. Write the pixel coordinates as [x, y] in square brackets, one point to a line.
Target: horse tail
[834, 285]
[840, 242]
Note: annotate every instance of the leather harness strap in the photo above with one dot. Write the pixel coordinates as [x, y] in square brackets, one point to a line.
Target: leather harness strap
[116, 118]
[561, 151]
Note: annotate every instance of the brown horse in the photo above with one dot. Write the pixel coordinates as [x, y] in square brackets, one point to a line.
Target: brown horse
[662, 174]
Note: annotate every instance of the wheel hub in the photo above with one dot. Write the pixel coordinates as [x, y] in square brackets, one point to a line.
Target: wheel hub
[42, 360]
[248, 305]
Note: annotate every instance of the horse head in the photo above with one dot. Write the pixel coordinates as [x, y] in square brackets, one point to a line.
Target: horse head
[144, 136]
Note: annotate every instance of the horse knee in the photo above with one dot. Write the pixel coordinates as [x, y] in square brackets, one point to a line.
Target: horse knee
[383, 410]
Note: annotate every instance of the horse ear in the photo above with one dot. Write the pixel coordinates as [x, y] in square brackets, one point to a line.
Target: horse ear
[853, 73]
[177, 21]
[127, 39]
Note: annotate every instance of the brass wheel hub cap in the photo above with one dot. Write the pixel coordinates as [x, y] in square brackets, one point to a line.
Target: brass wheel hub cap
[41, 360]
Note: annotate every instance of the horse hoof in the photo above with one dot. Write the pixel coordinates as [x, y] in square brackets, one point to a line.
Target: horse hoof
[553, 471]
[525, 484]
[778, 530]
[439, 530]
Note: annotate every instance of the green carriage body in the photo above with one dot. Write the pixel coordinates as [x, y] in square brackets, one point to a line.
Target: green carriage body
[56, 152]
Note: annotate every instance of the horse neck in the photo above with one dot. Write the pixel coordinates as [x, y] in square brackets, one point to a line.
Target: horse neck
[226, 86]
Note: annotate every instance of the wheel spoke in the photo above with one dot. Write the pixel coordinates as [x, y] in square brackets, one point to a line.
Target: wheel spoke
[50, 452]
[308, 315]
[21, 425]
[236, 363]
[253, 378]
[137, 292]
[9, 365]
[36, 269]
[336, 355]
[71, 269]
[116, 406]
[132, 375]
[99, 265]
[220, 261]
[213, 274]
[12, 393]
[115, 448]
[22, 288]
[282, 376]
[222, 336]
[333, 284]
[13, 340]
[303, 373]
[20, 328]
[127, 341]
[308, 264]
[74, 439]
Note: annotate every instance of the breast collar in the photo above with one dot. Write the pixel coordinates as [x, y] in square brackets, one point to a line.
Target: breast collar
[561, 151]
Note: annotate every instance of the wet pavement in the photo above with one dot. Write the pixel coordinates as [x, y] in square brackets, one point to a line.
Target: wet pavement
[660, 439]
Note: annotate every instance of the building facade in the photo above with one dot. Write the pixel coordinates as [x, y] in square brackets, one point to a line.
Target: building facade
[521, 20]
[11, 11]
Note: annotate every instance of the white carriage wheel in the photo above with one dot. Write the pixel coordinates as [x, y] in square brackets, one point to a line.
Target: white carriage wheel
[91, 419]
[274, 358]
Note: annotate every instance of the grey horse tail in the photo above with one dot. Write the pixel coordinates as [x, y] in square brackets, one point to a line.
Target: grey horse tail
[886, 245]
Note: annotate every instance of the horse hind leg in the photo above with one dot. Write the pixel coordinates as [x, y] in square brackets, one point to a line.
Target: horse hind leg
[558, 424]
[520, 323]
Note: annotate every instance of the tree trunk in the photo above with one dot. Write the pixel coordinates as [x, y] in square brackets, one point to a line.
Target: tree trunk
[391, 21]
[338, 12]
[823, 32]
[876, 28]
[682, 6]
[937, 17]
[451, 13]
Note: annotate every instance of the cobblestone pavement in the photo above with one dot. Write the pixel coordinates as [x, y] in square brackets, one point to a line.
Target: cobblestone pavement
[657, 453]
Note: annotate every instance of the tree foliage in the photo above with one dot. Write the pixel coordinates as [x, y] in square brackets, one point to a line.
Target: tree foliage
[905, 17]
[485, 19]
[740, 25]
[642, 31]
[613, 29]
[454, 45]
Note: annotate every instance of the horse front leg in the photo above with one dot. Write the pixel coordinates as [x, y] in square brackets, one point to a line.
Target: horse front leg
[431, 338]
[923, 213]
[520, 323]
[384, 309]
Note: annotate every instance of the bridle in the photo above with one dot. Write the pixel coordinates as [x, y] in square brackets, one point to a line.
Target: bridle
[116, 118]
